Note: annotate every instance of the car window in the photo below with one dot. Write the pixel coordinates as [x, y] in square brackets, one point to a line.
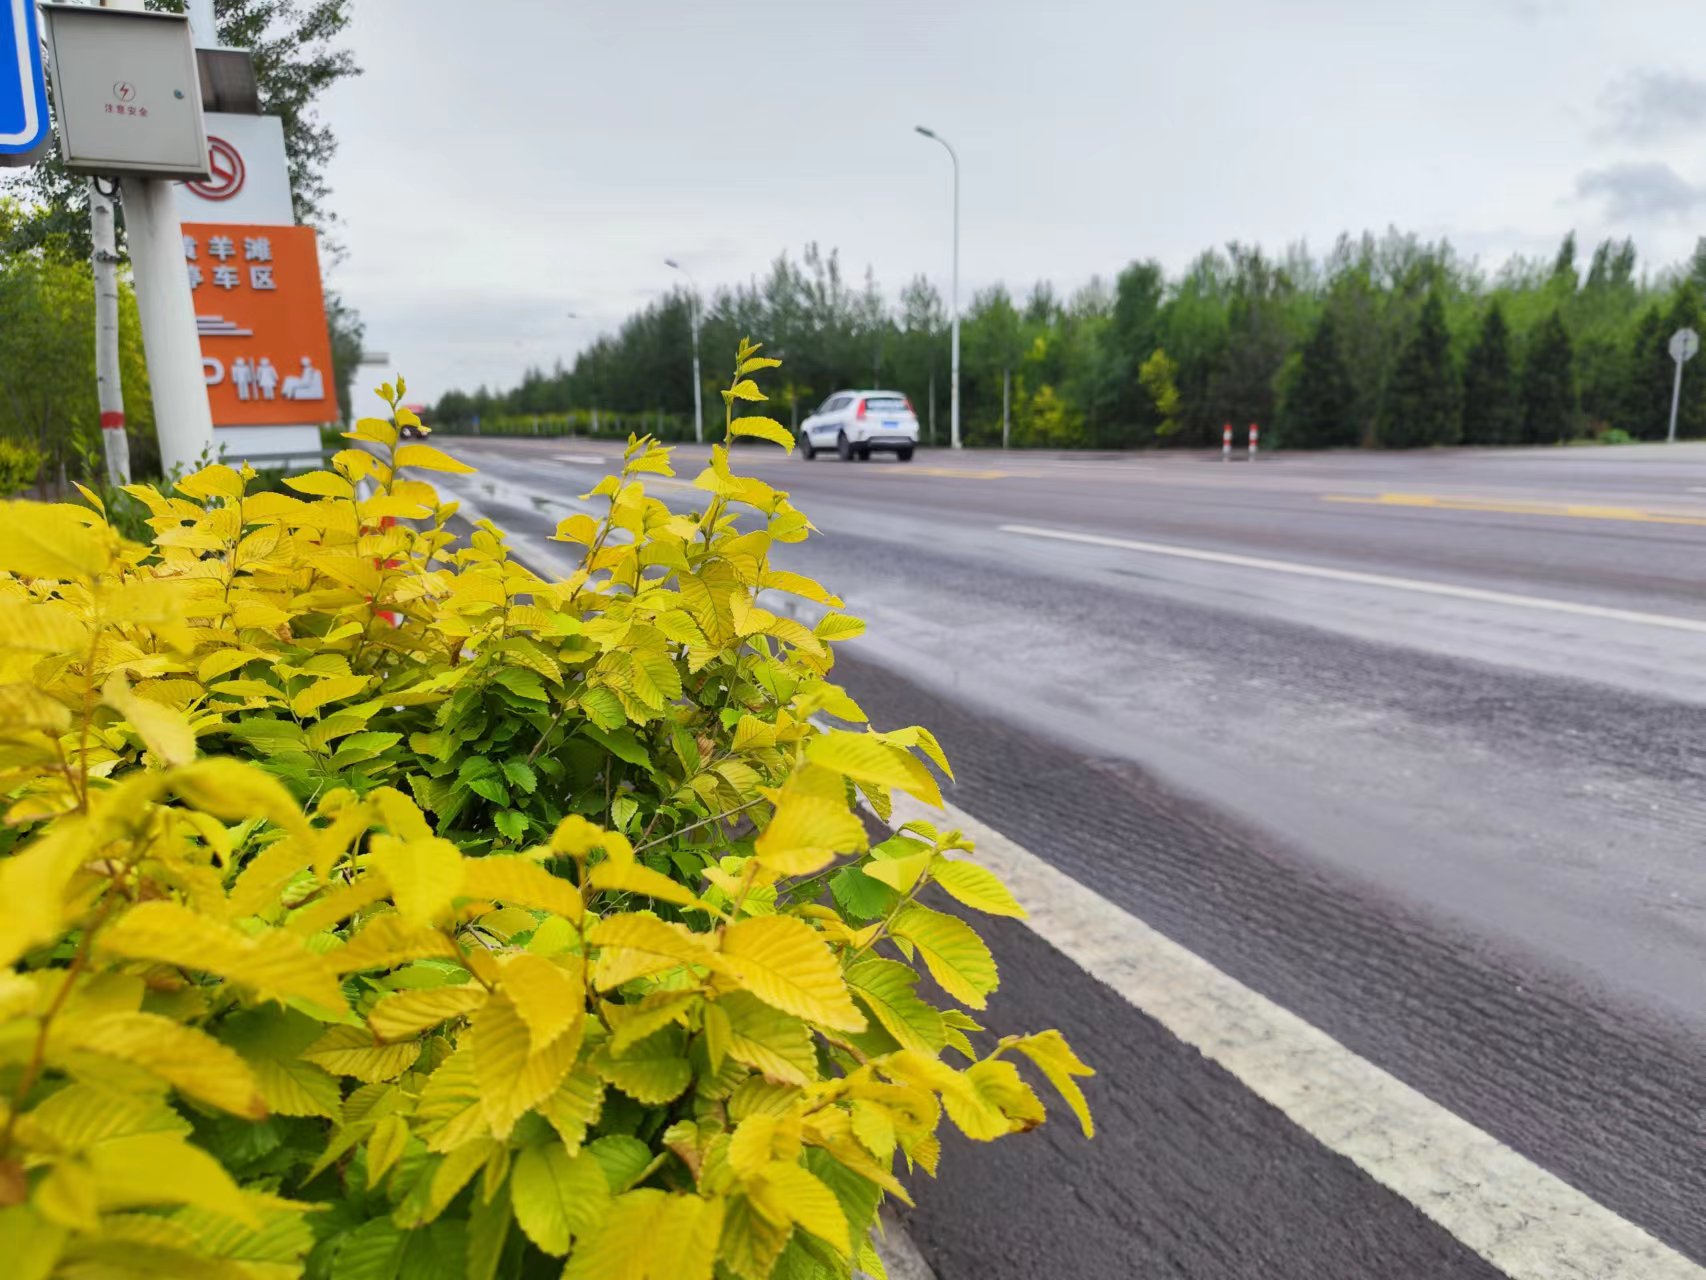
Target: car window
[885, 404]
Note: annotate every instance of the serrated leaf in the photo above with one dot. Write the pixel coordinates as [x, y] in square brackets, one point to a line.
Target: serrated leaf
[43, 540]
[956, 956]
[808, 831]
[976, 887]
[788, 1193]
[550, 998]
[785, 963]
[1055, 1059]
[184, 1057]
[406, 1014]
[769, 1041]
[512, 1078]
[888, 989]
[557, 1197]
[353, 1051]
[866, 757]
[633, 945]
[652, 1071]
[520, 881]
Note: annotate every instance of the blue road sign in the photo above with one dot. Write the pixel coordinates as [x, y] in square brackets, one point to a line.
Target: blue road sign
[24, 123]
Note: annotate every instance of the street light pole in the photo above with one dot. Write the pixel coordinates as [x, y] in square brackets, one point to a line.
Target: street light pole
[693, 315]
[954, 295]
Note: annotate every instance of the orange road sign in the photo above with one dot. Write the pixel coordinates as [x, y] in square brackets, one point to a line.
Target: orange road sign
[261, 313]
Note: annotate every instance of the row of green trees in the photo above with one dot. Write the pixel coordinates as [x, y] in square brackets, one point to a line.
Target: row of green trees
[1385, 340]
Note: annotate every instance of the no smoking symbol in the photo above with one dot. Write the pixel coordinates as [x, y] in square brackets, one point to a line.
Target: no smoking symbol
[226, 172]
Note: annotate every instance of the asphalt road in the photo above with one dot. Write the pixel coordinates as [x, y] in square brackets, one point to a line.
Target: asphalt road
[1410, 745]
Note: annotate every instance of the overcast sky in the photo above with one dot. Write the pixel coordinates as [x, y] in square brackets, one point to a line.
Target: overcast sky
[506, 162]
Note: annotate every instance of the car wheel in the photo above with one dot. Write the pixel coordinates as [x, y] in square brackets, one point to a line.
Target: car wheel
[806, 450]
[904, 453]
[844, 447]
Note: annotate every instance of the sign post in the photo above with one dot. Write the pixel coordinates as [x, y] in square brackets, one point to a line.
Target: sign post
[128, 94]
[1684, 343]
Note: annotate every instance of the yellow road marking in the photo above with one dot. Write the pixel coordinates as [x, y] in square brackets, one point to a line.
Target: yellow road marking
[1572, 511]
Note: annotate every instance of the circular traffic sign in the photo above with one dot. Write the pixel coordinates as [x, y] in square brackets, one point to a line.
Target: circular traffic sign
[1683, 345]
[124, 91]
[226, 172]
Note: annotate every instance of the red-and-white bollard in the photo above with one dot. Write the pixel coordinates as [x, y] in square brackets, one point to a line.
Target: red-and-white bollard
[1226, 443]
[1254, 435]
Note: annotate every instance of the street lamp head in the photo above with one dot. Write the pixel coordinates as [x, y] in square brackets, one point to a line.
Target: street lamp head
[928, 133]
[671, 262]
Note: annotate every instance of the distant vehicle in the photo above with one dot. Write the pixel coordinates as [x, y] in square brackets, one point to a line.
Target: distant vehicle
[409, 432]
[857, 424]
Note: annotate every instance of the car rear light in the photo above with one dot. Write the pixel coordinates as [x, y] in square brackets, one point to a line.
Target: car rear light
[861, 414]
[908, 403]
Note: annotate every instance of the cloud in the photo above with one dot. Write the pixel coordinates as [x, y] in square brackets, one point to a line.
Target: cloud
[1648, 105]
[1641, 191]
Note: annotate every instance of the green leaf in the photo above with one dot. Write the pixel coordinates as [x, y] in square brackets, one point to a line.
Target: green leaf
[652, 1071]
[558, 1197]
[521, 774]
[622, 1158]
[511, 823]
[374, 1251]
[523, 683]
[887, 989]
[859, 896]
[623, 745]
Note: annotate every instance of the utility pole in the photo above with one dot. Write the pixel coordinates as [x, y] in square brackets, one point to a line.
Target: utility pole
[182, 416]
[109, 380]
[1006, 387]
[954, 295]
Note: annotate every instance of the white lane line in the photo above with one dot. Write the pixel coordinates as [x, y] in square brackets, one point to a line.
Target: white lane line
[1418, 585]
[1522, 1219]
[583, 459]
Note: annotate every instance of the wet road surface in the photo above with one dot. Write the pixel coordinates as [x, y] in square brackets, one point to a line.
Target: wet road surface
[1409, 745]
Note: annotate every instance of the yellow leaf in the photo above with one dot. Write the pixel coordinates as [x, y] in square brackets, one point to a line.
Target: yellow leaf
[276, 964]
[549, 997]
[424, 875]
[352, 1051]
[745, 389]
[633, 945]
[635, 877]
[321, 484]
[521, 882]
[385, 1147]
[163, 731]
[652, 1235]
[214, 481]
[376, 430]
[755, 363]
[785, 963]
[428, 458]
[809, 829]
[956, 956]
[233, 790]
[865, 757]
[39, 540]
[577, 528]
[788, 1193]
[406, 1014]
[976, 887]
[161, 1169]
[1055, 1059]
[330, 689]
[512, 1078]
[191, 1060]
[388, 940]
[763, 429]
[652, 1071]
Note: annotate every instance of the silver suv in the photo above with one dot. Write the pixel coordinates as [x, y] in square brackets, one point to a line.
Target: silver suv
[858, 423]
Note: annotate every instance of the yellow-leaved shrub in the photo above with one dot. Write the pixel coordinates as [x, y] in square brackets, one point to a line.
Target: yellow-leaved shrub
[371, 907]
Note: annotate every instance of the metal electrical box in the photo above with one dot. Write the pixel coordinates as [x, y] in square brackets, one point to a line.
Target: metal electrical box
[128, 93]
